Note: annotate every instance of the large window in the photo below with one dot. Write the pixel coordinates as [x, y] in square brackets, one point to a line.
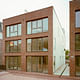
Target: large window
[13, 46]
[37, 64]
[77, 41]
[77, 16]
[78, 66]
[37, 44]
[13, 63]
[37, 26]
[13, 30]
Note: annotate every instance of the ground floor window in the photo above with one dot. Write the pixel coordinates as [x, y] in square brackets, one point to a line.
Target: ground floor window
[78, 66]
[13, 63]
[37, 64]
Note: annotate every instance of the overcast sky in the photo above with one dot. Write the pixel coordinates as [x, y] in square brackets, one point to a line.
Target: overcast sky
[9, 8]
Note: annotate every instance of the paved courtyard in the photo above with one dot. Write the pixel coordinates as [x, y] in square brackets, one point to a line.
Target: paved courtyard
[19, 76]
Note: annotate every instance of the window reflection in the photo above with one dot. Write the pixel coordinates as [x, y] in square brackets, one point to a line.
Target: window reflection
[13, 30]
[77, 41]
[78, 66]
[37, 26]
[13, 63]
[37, 44]
[13, 46]
[37, 64]
[77, 14]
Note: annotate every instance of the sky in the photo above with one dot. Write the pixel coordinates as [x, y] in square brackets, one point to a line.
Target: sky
[10, 8]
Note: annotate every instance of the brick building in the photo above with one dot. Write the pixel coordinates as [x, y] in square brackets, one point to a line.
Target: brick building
[34, 42]
[1, 44]
[75, 38]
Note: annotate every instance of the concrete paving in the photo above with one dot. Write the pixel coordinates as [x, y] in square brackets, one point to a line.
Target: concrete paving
[23, 76]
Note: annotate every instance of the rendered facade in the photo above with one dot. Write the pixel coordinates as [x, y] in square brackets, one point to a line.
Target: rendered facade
[75, 38]
[34, 42]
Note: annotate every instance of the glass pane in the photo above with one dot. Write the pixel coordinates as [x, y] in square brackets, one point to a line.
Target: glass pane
[38, 30]
[28, 64]
[34, 31]
[1, 36]
[45, 64]
[7, 66]
[45, 25]
[29, 45]
[7, 46]
[11, 46]
[15, 28]
[45, 44]
[11, 64]
[19, 29]
[34, 45]
[77, 41]
[34, 64]
[15, 63]
[34, 24]
[40, 64]
[40, 44]
[15, 46]
[39, 23]
[19, 45]
[11, 29]
[7, 34]
[19, 63]
[28, 27]
[77, 18]
[78, 66]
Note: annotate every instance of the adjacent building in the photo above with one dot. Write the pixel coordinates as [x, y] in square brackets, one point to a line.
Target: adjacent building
[75, 38]
[34, 42]
[1, 44]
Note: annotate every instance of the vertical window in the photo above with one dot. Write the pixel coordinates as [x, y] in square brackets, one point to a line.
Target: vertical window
[28, 27]
[7, 46]
[45, 25]
[7, 31]
[77, 15]
[15, 46]
[78, 66]
[19, 29]
[45, 44]
[29, 45]
[77, 41]
[19, 45]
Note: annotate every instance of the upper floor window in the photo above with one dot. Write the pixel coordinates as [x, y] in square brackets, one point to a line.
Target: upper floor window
[77, 16]
[37, 44]
[77, 41]
[13, 30]
[13, 46]
[37, 26]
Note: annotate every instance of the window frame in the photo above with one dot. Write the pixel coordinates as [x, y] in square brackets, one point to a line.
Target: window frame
[13, 46]
[13, 30]
[76, 19]
[36, 26]
[42, 40]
